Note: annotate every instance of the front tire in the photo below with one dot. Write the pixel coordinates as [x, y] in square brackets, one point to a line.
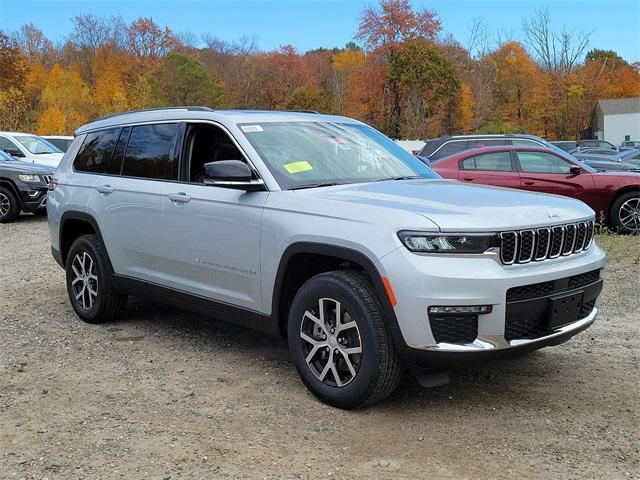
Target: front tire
[9, 207]
[339, 342]
[89, 282]
[625, 213]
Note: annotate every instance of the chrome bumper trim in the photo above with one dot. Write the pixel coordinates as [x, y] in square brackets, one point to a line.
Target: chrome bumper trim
[498, 342]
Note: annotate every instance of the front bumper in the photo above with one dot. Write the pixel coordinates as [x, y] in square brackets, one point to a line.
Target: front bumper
[423, 281]
[34, 199]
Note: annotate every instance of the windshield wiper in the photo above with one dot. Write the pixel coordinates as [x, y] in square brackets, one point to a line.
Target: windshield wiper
[315, 185]
[400, 177]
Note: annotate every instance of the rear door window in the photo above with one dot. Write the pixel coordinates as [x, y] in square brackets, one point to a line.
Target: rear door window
[496, 162]
[150, 152]
[95, 152]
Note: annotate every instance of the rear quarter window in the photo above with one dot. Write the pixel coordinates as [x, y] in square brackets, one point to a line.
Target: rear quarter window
[96, 150]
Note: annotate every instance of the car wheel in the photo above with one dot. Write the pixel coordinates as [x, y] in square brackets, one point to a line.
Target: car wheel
[625, 213]
[339, 342]
[89, 282]
[9, 207]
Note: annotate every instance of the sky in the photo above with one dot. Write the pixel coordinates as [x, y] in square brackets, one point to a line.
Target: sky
[309, 24]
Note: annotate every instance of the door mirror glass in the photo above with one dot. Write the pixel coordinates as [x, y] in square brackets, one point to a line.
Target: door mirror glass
[231, 174]
[14, 152]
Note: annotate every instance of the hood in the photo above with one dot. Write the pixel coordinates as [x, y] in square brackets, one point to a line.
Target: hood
[26, 167]
[458, 207]
[49, 159]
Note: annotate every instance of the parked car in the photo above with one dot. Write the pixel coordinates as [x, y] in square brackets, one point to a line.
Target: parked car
[23, 187]
[30, 148]
[437, 148]
[616, 195]
[61, 141]
[615, 161]
[631, 143]
[572, 145]
[320, 229]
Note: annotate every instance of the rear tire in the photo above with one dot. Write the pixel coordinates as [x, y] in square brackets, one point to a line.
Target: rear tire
[89, 282]
[9, 206]
[346, 360]
[625, 213]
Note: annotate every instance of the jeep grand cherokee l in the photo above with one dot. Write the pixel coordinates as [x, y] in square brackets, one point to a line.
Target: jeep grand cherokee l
[320, 229]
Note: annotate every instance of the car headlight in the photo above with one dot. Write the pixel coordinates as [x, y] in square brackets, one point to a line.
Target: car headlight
[421, 242]
[30, 178]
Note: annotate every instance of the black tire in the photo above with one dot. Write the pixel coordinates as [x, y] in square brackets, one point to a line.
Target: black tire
[106, 305]
[10, 206]
[618, 220]
[379, 366]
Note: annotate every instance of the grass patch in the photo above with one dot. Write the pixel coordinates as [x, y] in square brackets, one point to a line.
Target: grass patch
[620, 248]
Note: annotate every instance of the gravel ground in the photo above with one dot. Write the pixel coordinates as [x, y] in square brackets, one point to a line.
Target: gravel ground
[167, 394]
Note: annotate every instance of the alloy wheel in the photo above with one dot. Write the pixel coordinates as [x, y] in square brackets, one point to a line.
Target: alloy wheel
[5, 204]
[630, 214]
[332, 343]
[85, 280]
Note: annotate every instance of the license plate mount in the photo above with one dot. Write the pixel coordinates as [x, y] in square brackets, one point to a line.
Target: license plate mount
[565, 309]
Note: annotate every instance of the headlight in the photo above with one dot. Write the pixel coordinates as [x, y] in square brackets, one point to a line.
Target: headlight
[448, 243]
[30, 178]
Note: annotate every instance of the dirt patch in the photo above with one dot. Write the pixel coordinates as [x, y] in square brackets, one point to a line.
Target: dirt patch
[168, 394]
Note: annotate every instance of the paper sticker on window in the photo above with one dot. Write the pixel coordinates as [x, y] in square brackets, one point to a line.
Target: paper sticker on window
[251, 128]
[298, 167]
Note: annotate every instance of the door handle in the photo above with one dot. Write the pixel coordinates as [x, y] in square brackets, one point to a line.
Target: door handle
[468, 179]
[529, 183]
[105, 189]
[180, 197]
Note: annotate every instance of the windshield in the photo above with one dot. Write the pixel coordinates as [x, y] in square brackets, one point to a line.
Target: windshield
[37, 145]
[306, 154]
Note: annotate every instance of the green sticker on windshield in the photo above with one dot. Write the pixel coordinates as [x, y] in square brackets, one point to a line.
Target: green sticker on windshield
[297, 167]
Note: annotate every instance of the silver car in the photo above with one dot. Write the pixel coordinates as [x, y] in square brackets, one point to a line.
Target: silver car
[319, 229]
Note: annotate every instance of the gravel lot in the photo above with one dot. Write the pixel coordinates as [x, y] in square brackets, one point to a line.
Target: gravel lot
[167, 394]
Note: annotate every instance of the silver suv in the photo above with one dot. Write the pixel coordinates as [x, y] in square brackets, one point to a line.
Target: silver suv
[322, 230]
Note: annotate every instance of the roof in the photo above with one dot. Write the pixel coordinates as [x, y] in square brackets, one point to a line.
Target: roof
[620, 105]
[19, 134]
[204, 113]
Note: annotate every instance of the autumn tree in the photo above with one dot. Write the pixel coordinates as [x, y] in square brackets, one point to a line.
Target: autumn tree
[13, 74]
[308, 98]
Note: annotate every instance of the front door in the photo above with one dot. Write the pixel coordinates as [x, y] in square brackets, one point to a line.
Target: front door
[212, 234]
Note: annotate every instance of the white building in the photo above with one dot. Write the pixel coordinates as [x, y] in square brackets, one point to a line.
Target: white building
[618, 120]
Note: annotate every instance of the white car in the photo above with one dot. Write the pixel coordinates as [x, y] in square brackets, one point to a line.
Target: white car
[61, 141]
[30, 148]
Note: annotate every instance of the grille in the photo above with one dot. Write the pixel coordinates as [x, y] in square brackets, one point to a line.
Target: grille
[454, 329]
[543, 289]
[525, 246]
[587, 308]
[47, 178]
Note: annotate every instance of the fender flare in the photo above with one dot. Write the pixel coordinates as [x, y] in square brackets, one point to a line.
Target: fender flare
[84, 217]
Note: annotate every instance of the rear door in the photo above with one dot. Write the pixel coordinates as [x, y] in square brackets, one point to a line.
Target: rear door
[547, 173]
[127, 201]
[489, 169]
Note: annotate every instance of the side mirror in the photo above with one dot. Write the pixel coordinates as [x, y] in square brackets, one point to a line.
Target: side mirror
[575, 170]
[231, 174]
[14, 152]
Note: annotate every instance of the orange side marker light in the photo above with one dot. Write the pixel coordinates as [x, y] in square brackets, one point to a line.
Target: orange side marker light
[390, 294]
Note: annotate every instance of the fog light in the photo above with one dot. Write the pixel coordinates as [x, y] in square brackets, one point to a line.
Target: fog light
[460, 309]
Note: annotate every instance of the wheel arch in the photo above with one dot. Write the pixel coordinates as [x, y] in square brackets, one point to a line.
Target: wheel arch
[74, 224]
[303, 260]
[618, 194]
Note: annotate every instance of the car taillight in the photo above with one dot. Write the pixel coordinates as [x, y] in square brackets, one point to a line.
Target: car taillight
[53, 183]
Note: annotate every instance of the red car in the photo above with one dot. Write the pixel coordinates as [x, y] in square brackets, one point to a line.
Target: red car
[614, 195]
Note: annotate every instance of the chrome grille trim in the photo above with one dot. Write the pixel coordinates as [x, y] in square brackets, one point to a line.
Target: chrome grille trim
[524, 246]
[47, 178]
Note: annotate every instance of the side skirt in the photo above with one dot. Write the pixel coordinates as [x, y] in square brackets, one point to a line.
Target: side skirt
[196, 303]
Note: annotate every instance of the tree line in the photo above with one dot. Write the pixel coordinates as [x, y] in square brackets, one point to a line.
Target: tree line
[398, 74]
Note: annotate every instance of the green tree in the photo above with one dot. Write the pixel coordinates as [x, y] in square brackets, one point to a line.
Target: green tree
[307, 97]
[183, 80]
[424, 77]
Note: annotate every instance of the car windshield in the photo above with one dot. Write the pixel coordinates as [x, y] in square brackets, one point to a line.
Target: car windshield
[37, 145]
[5, 157]
[309, 154]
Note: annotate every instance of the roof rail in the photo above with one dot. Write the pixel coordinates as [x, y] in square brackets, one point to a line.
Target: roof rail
[195, 108]
[302, 111]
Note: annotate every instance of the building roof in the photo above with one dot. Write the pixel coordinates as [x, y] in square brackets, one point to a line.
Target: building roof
[620, 105]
